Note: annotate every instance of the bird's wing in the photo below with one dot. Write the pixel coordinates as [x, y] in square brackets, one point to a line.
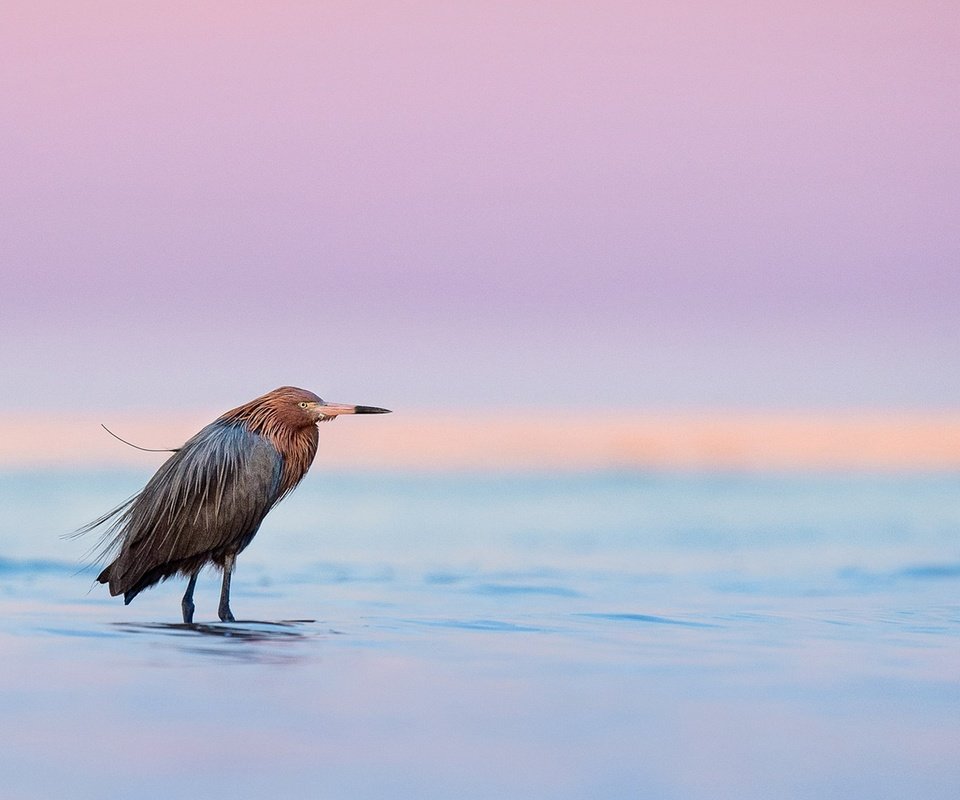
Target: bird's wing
[208, 498]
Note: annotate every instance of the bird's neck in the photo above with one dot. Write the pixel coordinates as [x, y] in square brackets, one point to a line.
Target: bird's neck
[296, 445]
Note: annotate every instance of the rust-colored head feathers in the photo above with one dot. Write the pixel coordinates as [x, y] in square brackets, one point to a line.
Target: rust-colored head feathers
[287, 406]
[284, 417]
[288, 418]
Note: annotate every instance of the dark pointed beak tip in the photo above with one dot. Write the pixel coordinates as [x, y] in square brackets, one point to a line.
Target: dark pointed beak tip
[372, 410]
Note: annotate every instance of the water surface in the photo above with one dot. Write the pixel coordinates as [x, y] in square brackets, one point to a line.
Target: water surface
[614, 635]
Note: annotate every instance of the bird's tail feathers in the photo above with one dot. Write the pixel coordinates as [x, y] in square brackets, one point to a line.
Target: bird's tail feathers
[109, 541]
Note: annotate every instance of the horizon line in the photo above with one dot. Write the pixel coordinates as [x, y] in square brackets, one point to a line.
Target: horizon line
[525, 440]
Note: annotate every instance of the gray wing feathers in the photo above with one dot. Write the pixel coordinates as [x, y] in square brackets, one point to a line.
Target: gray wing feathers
[208, 499]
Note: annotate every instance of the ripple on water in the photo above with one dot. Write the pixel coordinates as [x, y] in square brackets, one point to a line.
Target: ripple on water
[927, 571]
[645, 618]
[478, 625]
[35, 566]
[514, 589]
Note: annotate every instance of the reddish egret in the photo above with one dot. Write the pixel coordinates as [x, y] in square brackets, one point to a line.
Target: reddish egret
[205, 504]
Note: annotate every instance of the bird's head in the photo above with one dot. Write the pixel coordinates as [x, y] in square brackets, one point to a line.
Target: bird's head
[303, 408]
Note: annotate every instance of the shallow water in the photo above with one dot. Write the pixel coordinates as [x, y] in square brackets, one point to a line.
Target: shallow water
[614, 635]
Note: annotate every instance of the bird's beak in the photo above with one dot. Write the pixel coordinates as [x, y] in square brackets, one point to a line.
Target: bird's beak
[330, 410]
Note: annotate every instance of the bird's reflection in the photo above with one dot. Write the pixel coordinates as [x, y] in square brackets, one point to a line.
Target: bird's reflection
[244, 630]
[248, 641]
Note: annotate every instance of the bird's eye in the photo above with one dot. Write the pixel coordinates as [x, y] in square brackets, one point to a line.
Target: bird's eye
[303, 404]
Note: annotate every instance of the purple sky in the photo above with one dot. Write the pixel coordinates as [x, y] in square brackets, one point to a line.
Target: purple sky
[716, 204]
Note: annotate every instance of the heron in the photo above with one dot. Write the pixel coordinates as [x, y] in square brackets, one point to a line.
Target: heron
[205, 504]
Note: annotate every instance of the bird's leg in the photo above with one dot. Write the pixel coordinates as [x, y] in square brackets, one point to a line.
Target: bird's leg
[225, 614]
[187, 603]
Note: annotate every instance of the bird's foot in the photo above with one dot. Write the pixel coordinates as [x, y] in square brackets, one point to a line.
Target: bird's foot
[226, 615]
[187, 612]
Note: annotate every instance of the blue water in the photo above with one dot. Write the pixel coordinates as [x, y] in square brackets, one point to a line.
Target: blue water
[601, 635]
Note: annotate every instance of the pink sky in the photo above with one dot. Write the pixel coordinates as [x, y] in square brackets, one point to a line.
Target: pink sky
[852, 440]
[694, 205]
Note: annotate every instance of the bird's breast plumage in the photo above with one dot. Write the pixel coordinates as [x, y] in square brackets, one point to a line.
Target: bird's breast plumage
[274, 418]
[297, 448]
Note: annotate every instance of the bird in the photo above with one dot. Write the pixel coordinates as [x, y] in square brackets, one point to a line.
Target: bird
[205, 504]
